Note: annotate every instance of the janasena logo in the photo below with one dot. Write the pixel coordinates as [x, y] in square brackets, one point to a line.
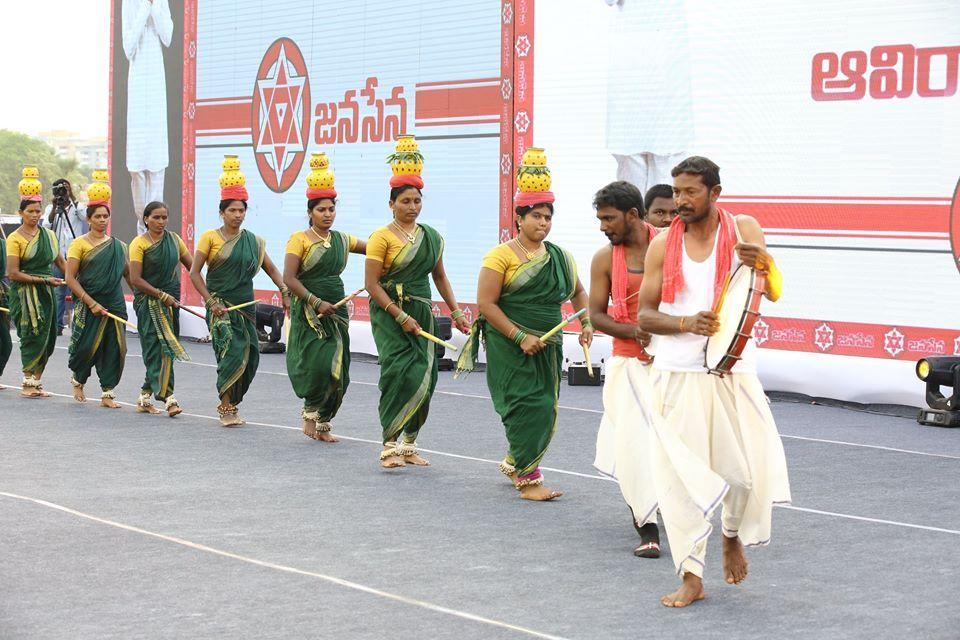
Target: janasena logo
[281, 114]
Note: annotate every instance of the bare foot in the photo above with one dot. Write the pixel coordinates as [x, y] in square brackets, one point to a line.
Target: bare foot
[326, 436]
[539, 493]
[78, 394]
[689, 592]
[416, 460]
[147, 408]
[229, 417]
[174, 410]
[310, 428]
[734, 561]
[391, 461]
[110, 403]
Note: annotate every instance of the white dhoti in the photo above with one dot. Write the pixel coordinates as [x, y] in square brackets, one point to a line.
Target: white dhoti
[623, 450]
[713, 441]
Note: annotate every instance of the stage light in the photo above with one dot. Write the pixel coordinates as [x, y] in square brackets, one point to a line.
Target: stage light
[937, 373]
[270, 317]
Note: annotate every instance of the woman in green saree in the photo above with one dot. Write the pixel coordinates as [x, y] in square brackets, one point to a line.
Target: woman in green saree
[233, 257]
[155, 259]
[318, 344]
[521, 288]
[400, 259]
[96, 266]
[31, 250]
[6, 344]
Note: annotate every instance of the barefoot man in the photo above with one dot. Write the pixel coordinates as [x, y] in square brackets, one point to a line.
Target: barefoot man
[713, 440]
[615, 275]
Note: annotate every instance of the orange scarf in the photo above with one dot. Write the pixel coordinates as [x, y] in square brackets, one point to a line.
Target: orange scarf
[618, 280]
[673, 258]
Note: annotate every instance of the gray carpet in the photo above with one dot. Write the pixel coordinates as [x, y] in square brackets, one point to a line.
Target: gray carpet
[453, 536]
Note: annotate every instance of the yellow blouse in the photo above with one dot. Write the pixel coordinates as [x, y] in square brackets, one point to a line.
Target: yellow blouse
[384, 246]
[81, 247]
[210, 243]
[301, 241]
[17, 243]
[503, 259]
[141, 243]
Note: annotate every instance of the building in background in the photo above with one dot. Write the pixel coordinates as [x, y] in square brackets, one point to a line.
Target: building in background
[89, 152]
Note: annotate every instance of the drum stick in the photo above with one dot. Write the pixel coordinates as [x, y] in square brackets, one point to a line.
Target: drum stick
[586, 355]
[119, 319]
[349, 298]
[563, 323]
[189, 310]
[241, 305]
[433, 338]
[4, 310]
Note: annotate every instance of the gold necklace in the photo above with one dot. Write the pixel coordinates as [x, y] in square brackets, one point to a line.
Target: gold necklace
[325, 241]
[409, 236]
[529, 254]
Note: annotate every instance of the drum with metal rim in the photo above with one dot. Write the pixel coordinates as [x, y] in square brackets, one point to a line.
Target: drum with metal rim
[737, 310]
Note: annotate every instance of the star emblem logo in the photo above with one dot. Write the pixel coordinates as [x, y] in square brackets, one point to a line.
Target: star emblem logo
[508, 13]
[523, 45]
[761, 332]
[506, 88]
[893, 342]
[281, 114]
[823, 336]
[522, 121]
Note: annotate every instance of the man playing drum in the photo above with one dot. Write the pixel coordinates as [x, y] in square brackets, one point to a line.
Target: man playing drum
[713, 440]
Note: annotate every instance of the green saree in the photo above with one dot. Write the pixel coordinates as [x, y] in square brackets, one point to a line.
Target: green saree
[6, 344]
[230, 281]
[95, 340]
[157, 324]
[408, 363]
[34, 306]
[525, 388]
[318, 349]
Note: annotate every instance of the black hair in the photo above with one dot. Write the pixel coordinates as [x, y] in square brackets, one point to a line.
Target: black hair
[226, 203]
[26, 203]
[706, 168]
[312, 202]
[396, 192]
[92, 209]
[153, 206]
[657, 191]
[522, 211]
[621, 195]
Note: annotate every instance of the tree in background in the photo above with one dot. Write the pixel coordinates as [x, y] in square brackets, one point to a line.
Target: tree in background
[17, 150]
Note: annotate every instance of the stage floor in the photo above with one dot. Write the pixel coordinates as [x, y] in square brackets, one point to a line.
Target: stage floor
[115, 524]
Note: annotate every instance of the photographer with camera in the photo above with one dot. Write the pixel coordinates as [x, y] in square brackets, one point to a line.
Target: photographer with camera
[67, 219]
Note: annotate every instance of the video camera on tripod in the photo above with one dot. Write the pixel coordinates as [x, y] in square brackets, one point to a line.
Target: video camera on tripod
[62, 200]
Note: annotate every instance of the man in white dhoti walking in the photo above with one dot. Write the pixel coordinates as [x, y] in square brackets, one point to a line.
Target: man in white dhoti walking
[615, 276]
[713, 440]
[147, 27]
[650, 123]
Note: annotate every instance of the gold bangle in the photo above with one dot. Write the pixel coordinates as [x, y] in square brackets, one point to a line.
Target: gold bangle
[682, 318]
[392, 304]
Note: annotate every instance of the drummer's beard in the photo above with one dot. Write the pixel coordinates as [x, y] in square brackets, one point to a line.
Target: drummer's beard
[689, 215]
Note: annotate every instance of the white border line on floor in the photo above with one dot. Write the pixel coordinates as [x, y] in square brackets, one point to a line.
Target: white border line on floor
[834, 514]
[356, 586]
